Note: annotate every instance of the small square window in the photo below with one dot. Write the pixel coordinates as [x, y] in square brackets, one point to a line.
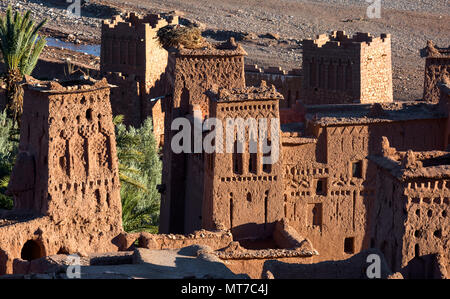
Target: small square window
[357, 169]
[321, 187]
[349, 245]
[316, 214]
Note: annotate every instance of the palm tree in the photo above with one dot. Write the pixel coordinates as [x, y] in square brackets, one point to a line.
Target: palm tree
[20, 47]
[140, 172]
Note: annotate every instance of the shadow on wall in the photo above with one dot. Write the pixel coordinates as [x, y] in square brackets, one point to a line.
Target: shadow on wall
[352, 268]
[249, 230]
[423, 267]
[3, 261]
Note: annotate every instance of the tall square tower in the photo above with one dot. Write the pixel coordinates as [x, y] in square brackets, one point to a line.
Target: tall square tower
[339, 69]
[241, 192]
[67, 165]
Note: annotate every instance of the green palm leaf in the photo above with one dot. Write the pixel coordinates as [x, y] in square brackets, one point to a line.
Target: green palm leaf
[20, 47]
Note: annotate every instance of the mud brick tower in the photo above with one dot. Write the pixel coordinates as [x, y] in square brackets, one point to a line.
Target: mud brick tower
[437, 68]
[133, 59]
[339, 69]
[66, 175]
[241, 193]
[195, 71]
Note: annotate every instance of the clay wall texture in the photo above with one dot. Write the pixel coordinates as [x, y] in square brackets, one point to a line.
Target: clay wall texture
[215, 240]
[339, 69]
[411, 224]
[437, 69]
[133, 59]
[329, 184]
[66, 174]
[243, 198]
[288, 83]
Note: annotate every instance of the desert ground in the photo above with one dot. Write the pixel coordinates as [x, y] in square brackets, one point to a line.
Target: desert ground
[270, 31]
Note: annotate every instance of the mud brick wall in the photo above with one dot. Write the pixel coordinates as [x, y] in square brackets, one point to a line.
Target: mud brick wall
[215, 240]
[330, 186]
[129, 46]
[237, 196]
[288, 83]
[376, 70]
[412, 223]
[197, 71]
[436, 69]
[295, 114]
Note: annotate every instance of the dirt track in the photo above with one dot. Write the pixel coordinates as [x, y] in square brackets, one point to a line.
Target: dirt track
[411, 23]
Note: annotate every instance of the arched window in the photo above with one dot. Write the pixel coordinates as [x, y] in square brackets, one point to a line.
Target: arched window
[252, 163]
[231, 210]
[237, 158]
[267, 167]
[266, 202]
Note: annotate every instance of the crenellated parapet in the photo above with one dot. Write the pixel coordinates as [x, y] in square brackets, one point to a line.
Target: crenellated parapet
[129, 44]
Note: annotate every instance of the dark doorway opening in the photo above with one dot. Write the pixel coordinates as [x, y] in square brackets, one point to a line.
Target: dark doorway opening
[31, 250]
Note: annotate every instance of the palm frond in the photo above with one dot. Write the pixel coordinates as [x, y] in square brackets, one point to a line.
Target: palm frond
[118, 119]
[20, 48]
[140, 173]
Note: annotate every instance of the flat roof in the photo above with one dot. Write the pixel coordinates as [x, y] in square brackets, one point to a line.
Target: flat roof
[354, 114]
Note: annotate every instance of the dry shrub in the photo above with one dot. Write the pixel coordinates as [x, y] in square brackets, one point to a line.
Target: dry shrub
[176, 35]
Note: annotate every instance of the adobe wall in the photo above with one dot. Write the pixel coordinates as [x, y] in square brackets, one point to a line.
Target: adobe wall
[198, 70]
[288, 246]
[437, 68]
[294, 114]
[288, 83]
[330, 186]
[129, 45]
[125, 99]
[14, 235]
[376, 70]
[194, 192]
[411, 222]
[444, 104]
[339, 69]
[213, 239]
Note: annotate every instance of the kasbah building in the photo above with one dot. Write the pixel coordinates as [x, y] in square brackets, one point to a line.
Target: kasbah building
[358, 171]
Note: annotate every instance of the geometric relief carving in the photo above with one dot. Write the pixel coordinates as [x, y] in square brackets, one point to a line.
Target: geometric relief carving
[100, 150]
[79, 157]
